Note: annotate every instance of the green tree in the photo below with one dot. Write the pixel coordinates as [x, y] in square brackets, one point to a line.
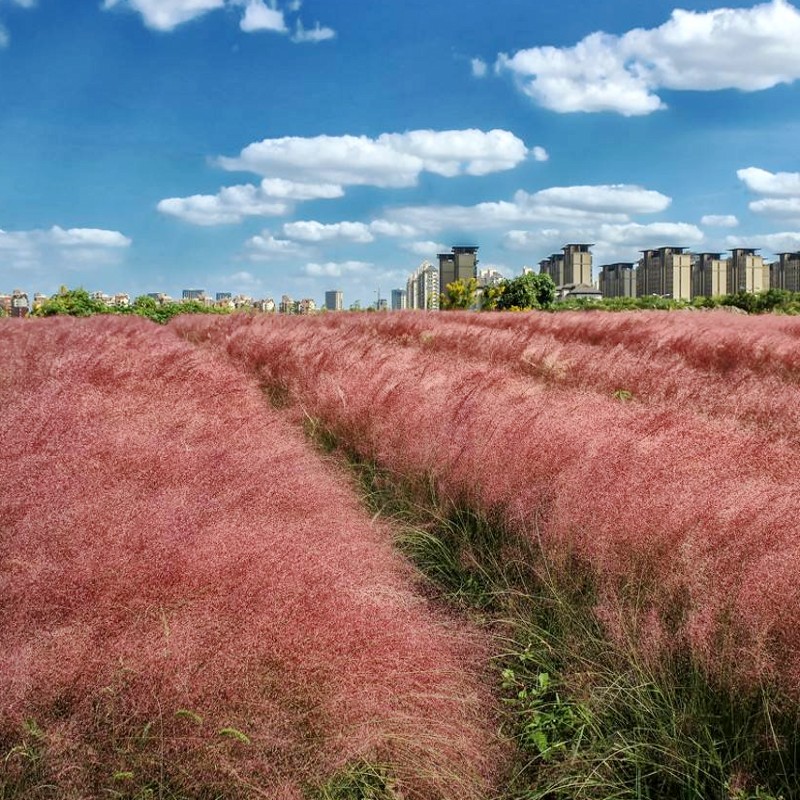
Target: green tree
[491, 296]
[527, 291]
[73, 302]
[459, 294]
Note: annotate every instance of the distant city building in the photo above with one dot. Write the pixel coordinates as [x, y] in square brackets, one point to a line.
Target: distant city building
[5, 303]
[334, 300]
[20, 306]
[422, 288]
[666, 272]
[709, 275]
[266, 305]
[578, 291]
[39, 300]
[571, 267]
[219, 296]
[193, 294]
[618, 280]
[398, 299]
[306, 306]
[459, 265]
[287, 305]
[489, 277]
[747, 271]
[382, 304]
[785, 272]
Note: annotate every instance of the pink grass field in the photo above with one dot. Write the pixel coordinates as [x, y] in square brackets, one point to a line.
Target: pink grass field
[657, 450]
[175, 561]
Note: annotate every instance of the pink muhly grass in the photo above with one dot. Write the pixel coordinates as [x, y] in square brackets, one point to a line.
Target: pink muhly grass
[175, 561]
[679, 516]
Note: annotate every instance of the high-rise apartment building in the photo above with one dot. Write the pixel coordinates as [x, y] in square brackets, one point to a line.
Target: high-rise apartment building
[422, 287]
[554, 267]
[666, 272]
[709, 275]
[571, 267]
[398, 299]
[785, 272]
[747, 271]
[459, 265]
[618, 280]
[334, 300]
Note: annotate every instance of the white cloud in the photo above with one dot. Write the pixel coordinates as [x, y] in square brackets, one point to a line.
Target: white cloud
[425, 249]
[784, 242]
[775, 184]
[783, 207]
[265, 247]
[719, 220]
[560, 204]
[260, 17]
[313, 231]
[384, 227]
[4, 37]
[273, 198]
[313, 35]
[540, 154]
[334, 269]
[390, 160]
[61, 249]
[166, 15]
[479, 67]
[700, 51]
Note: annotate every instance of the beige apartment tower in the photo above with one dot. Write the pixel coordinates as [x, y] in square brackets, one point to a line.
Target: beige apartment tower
[785, 272]
[709, 275]
[747, 271]
[571, 267]
[666, 272]
[618, 280]
[459, 265]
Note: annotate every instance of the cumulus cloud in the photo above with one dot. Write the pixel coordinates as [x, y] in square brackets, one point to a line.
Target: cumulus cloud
[257, 15]
[318, 33]
[560, 204]
[274, 197]
[426, 249]
[265, 247]
[784, 242]
[774, 184]
[719, 220]
[540, 154]
[336, 269]
[391, 160]
[479, 67]
[313, 231]
[783, 207]
[60, 248]
[699, 51]
[260, 17]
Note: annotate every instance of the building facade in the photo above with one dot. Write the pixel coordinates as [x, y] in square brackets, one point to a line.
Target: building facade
[709, 275]
[785, 272]
[666, 272]
[422, 288]
[459, 265]
[398, 299]
[334, 300]
[747, 271]
[618, 280]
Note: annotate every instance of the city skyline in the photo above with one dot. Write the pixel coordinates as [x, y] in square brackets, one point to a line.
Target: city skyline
[272, 148]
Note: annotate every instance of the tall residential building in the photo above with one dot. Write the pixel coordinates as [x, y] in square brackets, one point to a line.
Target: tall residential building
[571, 267]
[334, 300]
[666, 272]
[709, 275]
[193, 294]
[398, 299]
[747, 271]
[422, 288]
[618, 280]
[459, 265]
[785, 272]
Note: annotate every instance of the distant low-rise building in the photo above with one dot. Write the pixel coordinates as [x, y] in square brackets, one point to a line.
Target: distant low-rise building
[20, 307]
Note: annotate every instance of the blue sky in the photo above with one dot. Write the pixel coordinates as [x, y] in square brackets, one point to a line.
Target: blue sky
[287, 147]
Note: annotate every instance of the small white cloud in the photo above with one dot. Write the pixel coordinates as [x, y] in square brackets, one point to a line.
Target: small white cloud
[260, 17]
[692, 51]
[783, 207]
[719, 220]
[425, 249]
[540, 154]
[274, 197]
[775, 184]
[392, 160]
[313, 231]
[265, 247]
[313, 35]
[334, 269]
[166, 15]
[479, 68]
[4, 37]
